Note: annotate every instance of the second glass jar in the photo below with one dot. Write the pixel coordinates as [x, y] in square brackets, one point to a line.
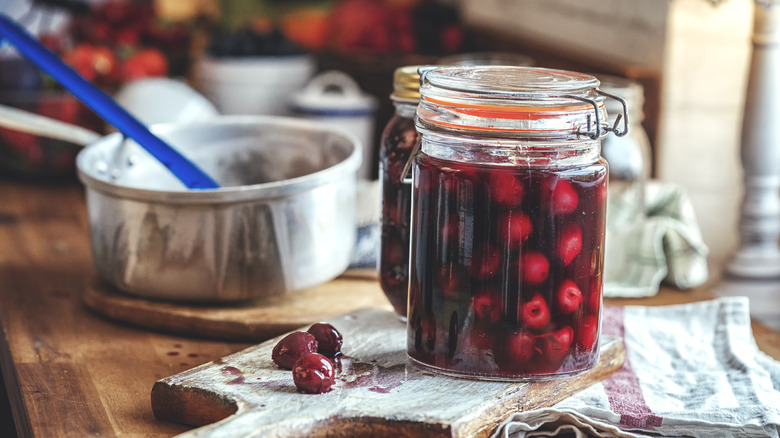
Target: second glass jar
[508, 223]
[398, 140]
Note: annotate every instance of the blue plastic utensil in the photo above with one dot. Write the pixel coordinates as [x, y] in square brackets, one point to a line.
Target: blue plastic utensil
[104, 106]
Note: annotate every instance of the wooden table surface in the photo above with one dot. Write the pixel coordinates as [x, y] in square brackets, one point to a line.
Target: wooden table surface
[71, 372]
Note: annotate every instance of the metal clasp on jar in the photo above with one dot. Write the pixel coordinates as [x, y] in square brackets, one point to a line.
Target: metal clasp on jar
[405, 177]
[597, 129]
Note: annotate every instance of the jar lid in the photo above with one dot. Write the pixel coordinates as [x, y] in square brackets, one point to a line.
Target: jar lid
[333, 94]
[406, 83]
[512, 100]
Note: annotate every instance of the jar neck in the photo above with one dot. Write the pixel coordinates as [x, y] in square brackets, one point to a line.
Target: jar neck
[510, 152]
[405, 108]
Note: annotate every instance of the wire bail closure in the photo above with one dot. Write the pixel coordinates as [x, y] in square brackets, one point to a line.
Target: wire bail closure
[406, 178]
[594, 129]
[597, 129]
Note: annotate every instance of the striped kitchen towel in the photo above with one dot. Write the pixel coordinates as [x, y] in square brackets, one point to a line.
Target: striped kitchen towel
[691, 370]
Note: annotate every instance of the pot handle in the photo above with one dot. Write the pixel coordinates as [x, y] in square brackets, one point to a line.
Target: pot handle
[20, 120]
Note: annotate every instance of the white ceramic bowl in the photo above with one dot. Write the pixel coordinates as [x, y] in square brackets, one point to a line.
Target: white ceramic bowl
[164, 100]
[253, 85]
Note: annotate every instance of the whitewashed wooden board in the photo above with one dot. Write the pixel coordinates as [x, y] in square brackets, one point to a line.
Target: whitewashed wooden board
[378, 393]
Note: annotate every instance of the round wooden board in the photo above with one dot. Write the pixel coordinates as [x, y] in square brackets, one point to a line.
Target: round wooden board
[251, 321]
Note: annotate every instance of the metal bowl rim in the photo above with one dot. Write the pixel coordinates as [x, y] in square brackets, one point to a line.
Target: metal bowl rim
[231, 194]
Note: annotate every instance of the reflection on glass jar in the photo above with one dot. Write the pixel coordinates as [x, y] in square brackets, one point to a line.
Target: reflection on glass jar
[508, 222]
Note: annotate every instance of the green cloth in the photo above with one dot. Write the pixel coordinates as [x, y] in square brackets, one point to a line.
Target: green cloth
[664, 246]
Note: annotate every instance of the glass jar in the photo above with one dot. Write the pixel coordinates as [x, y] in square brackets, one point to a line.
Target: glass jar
[508, 222]
[398, 139]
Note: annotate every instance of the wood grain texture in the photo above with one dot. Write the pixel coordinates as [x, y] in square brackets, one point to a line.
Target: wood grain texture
[251, 321]
[82, 413]
[378, 393]
[67, 371]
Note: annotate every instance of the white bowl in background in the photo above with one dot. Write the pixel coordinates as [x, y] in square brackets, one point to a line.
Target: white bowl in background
[253, 85]
[164, 100]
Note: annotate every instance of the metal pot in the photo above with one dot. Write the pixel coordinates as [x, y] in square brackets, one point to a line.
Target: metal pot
[283, 219]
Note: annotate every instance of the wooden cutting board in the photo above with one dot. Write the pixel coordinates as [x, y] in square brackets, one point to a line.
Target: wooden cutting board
[378, 393]
[248, 321]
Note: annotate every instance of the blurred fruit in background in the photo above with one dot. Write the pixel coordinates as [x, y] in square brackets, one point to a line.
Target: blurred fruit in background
[348, 26]
[308, 27]
[110, 43]
[395, 27]
[369, 39]
[258, 38]
[143, 43]
[113, 42]
[97, 64]
[144, 63]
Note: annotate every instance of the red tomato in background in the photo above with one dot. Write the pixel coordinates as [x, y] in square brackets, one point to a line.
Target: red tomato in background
[97, 64]
[144, 63]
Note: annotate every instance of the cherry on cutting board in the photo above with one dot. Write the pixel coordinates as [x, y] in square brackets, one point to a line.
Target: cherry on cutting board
[329, 340]
[288, 350]
[313, 374]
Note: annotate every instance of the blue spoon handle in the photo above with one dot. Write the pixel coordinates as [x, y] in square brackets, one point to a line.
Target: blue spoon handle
[183, 169]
